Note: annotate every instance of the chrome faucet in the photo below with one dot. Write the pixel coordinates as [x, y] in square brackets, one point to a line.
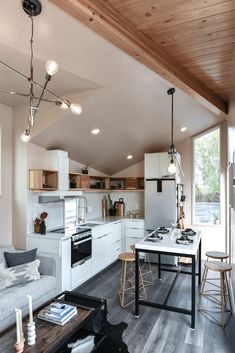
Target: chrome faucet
[78, 219]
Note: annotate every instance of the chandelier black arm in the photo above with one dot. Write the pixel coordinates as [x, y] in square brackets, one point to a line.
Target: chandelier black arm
[14, 70]
[34, 82]
[26, 95]
[14, 93]
[48, 77]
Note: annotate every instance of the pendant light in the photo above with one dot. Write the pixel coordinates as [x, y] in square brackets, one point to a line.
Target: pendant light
[172, 150]
[174, 163]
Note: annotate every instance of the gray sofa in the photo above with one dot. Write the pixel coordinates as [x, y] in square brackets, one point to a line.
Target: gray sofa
[41, 290]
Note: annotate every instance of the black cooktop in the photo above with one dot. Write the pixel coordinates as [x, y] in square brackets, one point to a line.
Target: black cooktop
[70, 230]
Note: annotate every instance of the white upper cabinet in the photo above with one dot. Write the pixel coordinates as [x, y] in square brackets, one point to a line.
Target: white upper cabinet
[58, 160]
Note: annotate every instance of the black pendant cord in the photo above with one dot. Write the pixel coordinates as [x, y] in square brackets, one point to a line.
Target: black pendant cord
[31, 95]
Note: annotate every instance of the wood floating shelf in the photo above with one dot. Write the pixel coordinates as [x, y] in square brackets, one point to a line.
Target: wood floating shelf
[46, 180]
[95, 183]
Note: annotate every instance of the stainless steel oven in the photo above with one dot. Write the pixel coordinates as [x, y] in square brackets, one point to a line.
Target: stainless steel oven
[81, 247]
[81, 243]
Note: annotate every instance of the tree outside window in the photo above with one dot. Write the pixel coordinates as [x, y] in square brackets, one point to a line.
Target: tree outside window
[207, 178]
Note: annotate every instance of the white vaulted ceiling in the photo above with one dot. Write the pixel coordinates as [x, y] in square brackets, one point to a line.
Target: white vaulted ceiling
[130, 107]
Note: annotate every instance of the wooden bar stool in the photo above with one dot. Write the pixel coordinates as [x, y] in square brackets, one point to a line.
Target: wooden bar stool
[220, 295]
[217, 255]
[127, 278]
[146, 269]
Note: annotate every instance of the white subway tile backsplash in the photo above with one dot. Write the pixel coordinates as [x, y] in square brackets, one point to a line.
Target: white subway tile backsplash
[133, 200]
[55, 212]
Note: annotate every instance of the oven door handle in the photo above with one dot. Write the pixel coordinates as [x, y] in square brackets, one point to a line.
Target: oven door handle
[80, 242]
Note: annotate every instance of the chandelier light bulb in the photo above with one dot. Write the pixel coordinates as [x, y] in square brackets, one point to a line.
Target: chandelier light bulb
[25, 136]
[51, 67]
[64, 106]
[172, 168]
[76, 108]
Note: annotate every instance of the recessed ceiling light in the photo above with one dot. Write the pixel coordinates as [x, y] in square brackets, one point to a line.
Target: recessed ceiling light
[183, 129]
[129, 156]
[95, 131]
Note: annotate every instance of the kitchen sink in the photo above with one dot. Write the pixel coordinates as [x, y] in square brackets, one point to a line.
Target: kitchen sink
[90, 225]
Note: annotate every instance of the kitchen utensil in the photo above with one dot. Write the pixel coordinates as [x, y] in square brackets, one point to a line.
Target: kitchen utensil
[120, 207]
[43, 215]
[104, 207]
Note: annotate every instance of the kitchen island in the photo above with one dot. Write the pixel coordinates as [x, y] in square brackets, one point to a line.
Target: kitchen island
[168, 246]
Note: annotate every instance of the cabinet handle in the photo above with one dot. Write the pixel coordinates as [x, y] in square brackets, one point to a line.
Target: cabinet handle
[117, 241]
[117, 249]
[81, 263]
[104, 235]
[136, 228]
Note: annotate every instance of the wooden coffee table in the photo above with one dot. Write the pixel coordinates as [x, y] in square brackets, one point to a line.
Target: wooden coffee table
[49, 337]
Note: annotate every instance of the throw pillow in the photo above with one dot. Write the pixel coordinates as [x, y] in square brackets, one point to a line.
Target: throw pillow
[19, 258]
[19, 275]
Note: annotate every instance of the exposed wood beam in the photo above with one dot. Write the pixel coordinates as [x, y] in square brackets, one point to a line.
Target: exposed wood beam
[109, 23]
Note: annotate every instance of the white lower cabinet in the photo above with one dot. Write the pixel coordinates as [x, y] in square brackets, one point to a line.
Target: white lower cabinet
[81, 273]
[134, 232]
[116, 240]
[101, 248]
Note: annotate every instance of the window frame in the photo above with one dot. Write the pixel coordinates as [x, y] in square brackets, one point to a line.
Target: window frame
[205, 132]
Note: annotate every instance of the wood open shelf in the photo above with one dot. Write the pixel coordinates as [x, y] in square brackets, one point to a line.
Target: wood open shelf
[46, 180]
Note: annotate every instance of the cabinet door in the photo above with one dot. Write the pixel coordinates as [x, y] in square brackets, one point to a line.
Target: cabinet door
[116, 231]
[81, 273]
[116, 250]
[97, 255]
[101, 253]
[151, 165]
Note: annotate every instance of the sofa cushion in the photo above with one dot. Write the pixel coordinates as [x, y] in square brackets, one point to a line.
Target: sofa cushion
[19, 275]
[19, 258]
[2, 250]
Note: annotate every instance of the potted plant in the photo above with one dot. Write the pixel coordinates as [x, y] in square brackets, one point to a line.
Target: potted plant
[215, 216]
[112, 207]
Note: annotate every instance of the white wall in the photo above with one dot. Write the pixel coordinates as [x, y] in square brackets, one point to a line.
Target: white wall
[6, 175]
[135, 170]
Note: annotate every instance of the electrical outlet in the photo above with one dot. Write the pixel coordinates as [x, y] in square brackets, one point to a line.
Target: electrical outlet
[89, 209]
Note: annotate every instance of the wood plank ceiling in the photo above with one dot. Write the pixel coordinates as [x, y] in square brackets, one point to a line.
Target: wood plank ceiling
[199, 34]
[188, 42]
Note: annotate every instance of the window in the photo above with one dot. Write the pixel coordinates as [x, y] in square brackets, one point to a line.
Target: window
[206, 205]
[70, 211]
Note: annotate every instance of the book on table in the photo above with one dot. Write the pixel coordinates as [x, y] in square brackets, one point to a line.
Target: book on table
[58, 313]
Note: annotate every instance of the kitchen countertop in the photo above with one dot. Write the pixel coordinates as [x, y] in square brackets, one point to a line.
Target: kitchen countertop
[101, 220]
[112, 219]
[168, 244]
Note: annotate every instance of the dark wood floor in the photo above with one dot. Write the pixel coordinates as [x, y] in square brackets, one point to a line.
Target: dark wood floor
[158, 331]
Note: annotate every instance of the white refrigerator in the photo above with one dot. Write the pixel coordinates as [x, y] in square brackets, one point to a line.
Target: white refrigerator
[161, 208]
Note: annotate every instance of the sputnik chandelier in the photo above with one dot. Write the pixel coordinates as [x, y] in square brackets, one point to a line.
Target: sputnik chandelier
[33, 8]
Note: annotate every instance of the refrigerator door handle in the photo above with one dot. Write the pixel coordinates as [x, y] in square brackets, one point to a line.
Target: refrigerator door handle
[159, 185]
